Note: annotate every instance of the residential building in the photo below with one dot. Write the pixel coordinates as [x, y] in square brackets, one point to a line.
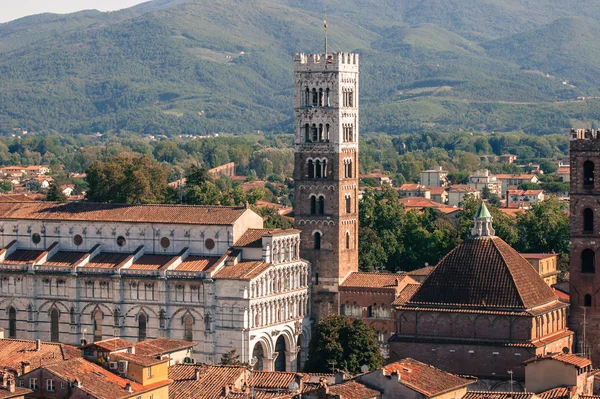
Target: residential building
[543, 373]
[510, 182]
[524, 198]
[458, 192]
[79, 378]
[437, 177]
[410, 378]
[545, 265]
[507, 158]
[382, 179]
[326, 112]
[439, 194]
[370, 296]
[564, 174]
[482, 311]
[584, 238]
[81, 272]
[484, 179]
[175, 350]
[414, 190]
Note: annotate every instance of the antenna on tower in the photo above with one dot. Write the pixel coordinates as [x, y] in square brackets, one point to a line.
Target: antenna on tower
[325, 26]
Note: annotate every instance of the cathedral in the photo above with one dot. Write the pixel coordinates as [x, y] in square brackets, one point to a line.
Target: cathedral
[83, 272]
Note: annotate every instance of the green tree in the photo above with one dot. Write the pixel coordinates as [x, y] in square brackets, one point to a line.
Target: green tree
[529, 186]
[128, 180]
[345, 344]
[197, 175]
[544, 228]
[55, 194]
[206, 193]
[272, 219]
[232, 358]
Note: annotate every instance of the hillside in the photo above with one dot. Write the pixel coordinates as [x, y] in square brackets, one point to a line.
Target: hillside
[198, 67]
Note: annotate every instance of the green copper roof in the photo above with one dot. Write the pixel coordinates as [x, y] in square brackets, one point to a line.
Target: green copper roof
[483, 212]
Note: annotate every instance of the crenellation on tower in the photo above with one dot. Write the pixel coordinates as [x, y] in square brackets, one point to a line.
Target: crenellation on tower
[326, 114]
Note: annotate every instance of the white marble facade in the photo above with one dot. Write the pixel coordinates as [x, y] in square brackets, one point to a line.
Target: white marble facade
[67, 277]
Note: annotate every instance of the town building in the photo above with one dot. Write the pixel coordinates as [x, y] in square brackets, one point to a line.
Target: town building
[545, 265]
[414, 190]
[458, 192]
[482, 311]
[511, 182]
[437, 177]
[439, 194]
[382, 179]
[564, 174]
[543, 373]
[507, 158]
[410, 378]
[524, 198]
[326, 112]
[584, 238]
[19, 357]
[85, 272]
[484, 179]
[9, 388]
[175, 350]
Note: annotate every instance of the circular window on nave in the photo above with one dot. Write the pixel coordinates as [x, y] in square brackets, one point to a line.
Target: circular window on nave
[209, 243]
[121, 241]
[78, 240]
[36, 238]
[165, 242]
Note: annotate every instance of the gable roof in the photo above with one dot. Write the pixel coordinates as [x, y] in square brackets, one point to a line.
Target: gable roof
[112, 344]
[406, 294]
[484, 272]
[373, 280]
[15, 351]
[424, 378]
[160, 346]
[498, 395]
[89, 211]
[566, 358]
[353, 390]
[209, 385]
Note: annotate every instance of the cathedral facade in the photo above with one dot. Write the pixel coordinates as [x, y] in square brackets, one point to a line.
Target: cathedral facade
[326, 127]
[83, 272]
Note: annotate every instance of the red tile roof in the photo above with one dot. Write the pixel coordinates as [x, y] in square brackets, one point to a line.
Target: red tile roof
[197, 263]
[243, 270]
[151, 262]
[14, 351]
[484, 272]
[498, 395]
[65, 258]
[538, 256]
[462, 188]
[210, 385]
[438, 190]
[22, 256]
[88, 211]
[142, 360]
[559, 393]
[574, 360]
[412, 187]
[420, 202]
[406, 294]
[353, 390]
[161, 346]
[253, 237]
[373, 280]
[15, 198]
[113, 344]
[424, 271]
[424, 378]
[98, 382]
[106, 260]
[274, 379]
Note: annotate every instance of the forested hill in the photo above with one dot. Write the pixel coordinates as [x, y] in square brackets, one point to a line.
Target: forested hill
[203, 66]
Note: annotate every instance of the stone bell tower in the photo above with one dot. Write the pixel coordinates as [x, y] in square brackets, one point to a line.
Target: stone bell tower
[326, 170]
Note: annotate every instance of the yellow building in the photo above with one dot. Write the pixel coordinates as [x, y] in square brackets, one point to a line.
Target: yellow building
[546, 266]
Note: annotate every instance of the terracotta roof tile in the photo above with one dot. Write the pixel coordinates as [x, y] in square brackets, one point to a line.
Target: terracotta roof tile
[558, 393]
[274, 379]
[106, 260]
[412, 187]
[14, 351]
[538, 256]
[498, 395]
[210, 384]
[484, 272]
[97, 381]
[15, 198]
[151, 262]
[353, 390]
[19, 392]
[420, 202]
[406, 294]
[424, 271]
[88, 211]
[461, 188]
[373, 280]
[65, 258]
[22, 256]
[197, 263]
[438, 190]
[505, 176]
[574, 360]
[252, 238]
[112, 344]
[160, 346]
[424, 378]
[136, 358]
[243, 270]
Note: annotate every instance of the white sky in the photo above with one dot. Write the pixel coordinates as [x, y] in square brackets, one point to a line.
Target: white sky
[13, 9]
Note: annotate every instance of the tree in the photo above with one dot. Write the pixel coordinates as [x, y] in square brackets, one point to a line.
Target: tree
[55, 194]
[205, 193]
[197, 175]
[544, 228]
[231, 358]
[128, 180]
[345, 344]
[529, 186]
[272, 219]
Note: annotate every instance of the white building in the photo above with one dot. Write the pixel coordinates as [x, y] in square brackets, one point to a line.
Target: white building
[437, 177]
[212, 275]
[458, 192]
[483, 178]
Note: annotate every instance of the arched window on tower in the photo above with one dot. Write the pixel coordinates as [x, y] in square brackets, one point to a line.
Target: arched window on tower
[72, 316]
[314, 133]
[588, 174]
[350, 169]
[317, 240]
[315, 99]
[311, 169]
[307, 133]
[320, 97]
[188, 328]
[142, 327]
[320, 132]
[327, 132]
[588, 261]
[321, 205]
[307, 97]
[325, 171]
[327, 97]
[97, 321]
[588, 220]
[313, 205]
[348, 204]
[347, 240]
[54, 325]
[587, 300]
[318, 169]
[12, 322]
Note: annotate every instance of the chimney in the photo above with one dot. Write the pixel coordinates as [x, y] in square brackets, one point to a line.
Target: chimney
[38, 345]
[197, 374]
[128, 387]
[11, 385]
[25, 367]
[77, 383]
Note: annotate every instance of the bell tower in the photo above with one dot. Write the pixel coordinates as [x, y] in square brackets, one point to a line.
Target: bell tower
[326, 170]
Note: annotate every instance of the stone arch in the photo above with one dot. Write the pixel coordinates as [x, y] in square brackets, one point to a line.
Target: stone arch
[96, 306]
[47, 306]
[259, 356]
[54, 315]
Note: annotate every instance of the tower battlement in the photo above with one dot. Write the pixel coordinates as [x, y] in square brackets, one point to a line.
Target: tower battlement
[585, 134]
[585, 140]
[339, 61]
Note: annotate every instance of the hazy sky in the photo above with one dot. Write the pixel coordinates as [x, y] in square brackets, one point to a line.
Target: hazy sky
[13, 9]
